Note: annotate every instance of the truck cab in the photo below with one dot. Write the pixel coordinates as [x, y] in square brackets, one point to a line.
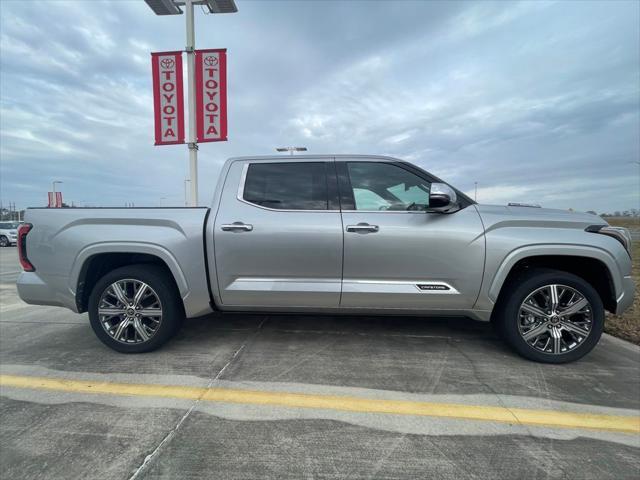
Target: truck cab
[350, 233]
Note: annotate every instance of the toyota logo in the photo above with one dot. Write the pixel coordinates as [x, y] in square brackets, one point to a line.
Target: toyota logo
[211, 61]
[167, 63]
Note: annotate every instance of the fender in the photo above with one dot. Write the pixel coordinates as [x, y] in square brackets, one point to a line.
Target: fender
[521, 253]
[128, 247]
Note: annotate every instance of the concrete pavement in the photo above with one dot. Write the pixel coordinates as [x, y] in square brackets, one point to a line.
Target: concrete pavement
[71, 408]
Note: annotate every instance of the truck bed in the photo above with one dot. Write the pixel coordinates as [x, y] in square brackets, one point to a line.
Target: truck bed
[64, 240]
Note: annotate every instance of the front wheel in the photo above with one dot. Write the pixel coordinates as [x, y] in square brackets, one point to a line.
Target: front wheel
[4, 241]
[135, 309]
[551, 316]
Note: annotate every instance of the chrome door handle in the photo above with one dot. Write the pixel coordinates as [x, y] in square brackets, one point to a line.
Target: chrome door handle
[362, 228]
[236, 227]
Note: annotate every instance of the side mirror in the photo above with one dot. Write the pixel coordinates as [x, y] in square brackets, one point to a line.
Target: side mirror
[442, 198]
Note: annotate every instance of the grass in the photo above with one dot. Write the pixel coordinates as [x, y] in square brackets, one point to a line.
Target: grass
[627, 326]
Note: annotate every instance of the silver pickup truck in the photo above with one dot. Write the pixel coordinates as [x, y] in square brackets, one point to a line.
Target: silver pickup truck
[331, 234]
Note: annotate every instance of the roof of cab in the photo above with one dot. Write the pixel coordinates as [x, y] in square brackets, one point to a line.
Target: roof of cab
[309, 157]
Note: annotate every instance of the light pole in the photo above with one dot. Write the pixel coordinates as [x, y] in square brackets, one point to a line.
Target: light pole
[475, 196]
[186, 196]
[291, 149]
[172, 7]
[191, 82]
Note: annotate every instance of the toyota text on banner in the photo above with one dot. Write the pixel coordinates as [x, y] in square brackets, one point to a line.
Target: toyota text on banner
[168, 100]
[211, 95]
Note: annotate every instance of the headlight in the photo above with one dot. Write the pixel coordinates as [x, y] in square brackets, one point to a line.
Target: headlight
[619, 233]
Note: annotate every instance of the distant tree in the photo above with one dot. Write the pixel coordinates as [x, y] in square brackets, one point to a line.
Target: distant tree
[591, 212]
[616, 213]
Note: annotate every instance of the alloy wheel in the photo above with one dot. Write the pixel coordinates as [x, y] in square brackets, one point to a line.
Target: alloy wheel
[130, 311]
[555, 319]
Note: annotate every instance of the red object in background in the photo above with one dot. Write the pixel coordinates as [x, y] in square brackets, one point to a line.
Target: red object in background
[168, 97]
[55, 201]
[211, 95]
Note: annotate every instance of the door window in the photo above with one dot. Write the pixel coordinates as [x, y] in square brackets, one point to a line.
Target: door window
[368, 200]
[384, 186]
[287, 186]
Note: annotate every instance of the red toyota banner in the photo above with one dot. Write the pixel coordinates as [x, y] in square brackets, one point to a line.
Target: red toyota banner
[168, 100]
[211, 95]
[55, 199]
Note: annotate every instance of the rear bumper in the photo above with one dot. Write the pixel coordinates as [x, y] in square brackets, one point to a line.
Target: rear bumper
[35, 291]
[625, 299]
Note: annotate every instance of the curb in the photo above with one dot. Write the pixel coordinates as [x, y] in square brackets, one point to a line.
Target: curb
[622, 343]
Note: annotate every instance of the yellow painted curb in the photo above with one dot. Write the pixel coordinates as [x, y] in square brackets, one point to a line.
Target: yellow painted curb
[523, 416]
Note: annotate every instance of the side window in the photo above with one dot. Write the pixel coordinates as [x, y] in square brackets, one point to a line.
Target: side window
[368, 200]
[287, 186]
[384, 186]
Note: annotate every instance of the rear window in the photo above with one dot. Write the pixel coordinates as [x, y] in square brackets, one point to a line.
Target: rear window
[287, 186]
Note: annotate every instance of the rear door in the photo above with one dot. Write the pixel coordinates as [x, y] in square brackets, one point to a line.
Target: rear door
[278, 235]
[398, 256]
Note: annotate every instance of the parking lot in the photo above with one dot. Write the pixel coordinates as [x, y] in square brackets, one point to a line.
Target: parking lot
[296, 397]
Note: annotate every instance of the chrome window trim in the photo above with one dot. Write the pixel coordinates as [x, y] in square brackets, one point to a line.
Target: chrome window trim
[412, 212]
[243, 179]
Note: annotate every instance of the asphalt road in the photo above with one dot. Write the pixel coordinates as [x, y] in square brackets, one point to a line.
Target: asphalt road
[279, 397]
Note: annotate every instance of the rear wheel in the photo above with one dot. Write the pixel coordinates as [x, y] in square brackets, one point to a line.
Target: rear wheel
[551, 316]
[135, 309]
[4, 241]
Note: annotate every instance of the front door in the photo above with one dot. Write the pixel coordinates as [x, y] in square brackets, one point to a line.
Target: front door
[278, 235]
[398, 256]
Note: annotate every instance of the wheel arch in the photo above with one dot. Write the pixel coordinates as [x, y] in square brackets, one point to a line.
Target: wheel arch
[97, 260]
[593, 265]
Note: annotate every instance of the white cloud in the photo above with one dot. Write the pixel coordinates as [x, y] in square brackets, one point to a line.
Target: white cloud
[400, 137]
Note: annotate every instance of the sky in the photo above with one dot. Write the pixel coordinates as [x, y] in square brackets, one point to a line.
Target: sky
[535, 101]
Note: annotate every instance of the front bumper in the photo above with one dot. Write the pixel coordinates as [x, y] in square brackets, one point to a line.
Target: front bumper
[625, 299]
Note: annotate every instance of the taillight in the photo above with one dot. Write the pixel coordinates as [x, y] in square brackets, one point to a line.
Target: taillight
[22, 247]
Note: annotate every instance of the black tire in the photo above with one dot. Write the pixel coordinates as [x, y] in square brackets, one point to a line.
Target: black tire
[163, 286]
[507, 313]
[4, 241]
